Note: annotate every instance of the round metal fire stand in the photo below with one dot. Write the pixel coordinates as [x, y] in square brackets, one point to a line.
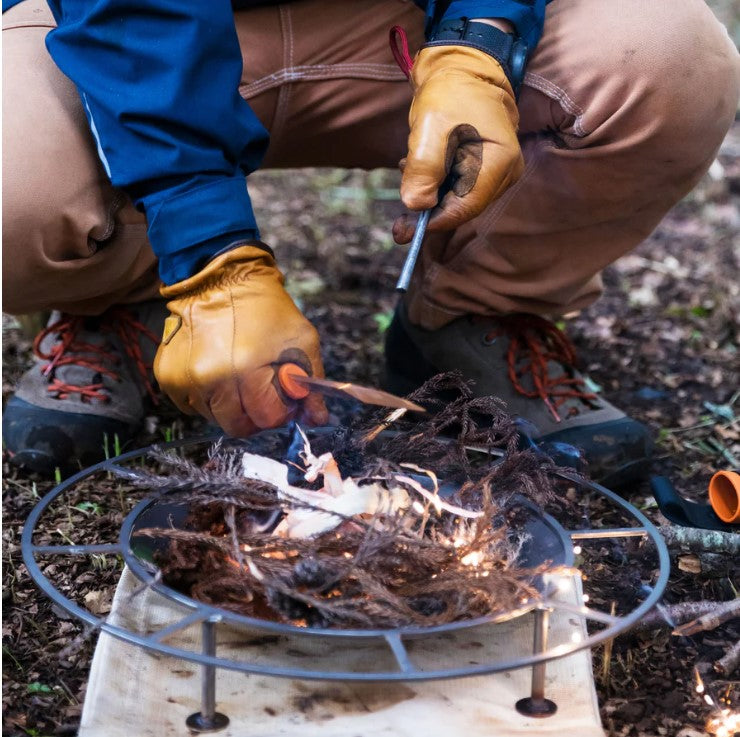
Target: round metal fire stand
[210, 617]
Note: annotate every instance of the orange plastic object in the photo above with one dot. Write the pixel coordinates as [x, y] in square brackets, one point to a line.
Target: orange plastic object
[292, 388]
[724, 495]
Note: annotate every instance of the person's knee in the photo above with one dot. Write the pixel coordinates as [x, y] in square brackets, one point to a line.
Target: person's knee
[695, 74]
[57, 202]
[657, 88]
[681, 77]
[45, 236]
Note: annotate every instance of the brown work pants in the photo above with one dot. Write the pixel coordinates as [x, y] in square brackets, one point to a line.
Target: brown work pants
[624, 105]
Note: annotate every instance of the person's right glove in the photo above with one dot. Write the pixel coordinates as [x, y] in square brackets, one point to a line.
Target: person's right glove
[463, 121]
[231, 326]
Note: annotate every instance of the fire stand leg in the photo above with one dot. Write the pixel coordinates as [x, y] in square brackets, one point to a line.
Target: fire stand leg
[208, 719]
[537, 705]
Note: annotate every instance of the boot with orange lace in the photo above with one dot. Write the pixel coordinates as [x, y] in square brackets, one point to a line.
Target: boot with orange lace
[530, 364]
[86, 390]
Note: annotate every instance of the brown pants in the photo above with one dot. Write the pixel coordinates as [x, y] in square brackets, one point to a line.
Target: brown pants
[624, 105]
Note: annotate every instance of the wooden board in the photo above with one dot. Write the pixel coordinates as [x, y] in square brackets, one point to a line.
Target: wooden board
[132, 692]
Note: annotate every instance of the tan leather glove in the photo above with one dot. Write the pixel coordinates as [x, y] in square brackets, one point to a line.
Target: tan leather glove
[463, 120]
[231, 326]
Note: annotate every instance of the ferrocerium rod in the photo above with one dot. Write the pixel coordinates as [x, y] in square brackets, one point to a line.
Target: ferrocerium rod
[408, 265]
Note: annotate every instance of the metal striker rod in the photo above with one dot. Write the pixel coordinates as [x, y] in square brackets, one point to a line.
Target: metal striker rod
[536, 705]
[208, 719]
[408, 265]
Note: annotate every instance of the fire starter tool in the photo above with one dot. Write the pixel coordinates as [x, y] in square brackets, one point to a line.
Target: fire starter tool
[408, 265]
[421, 228]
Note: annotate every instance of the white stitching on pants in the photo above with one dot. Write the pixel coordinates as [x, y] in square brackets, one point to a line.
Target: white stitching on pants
[286, 26]
[316, 72]
[558, 94]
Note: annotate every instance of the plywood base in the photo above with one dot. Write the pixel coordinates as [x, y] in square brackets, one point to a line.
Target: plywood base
[132, 692]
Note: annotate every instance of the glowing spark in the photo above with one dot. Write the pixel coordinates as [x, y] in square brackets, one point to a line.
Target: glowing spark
[708, 699]
[577, 550]
[472, 559]
[586, 598]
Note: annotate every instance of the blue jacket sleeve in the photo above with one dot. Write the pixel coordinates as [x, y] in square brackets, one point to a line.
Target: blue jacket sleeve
[527, 16]
[159, 83]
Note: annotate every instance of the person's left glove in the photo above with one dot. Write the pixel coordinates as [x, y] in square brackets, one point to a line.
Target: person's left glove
[463, 122]
[231, 326]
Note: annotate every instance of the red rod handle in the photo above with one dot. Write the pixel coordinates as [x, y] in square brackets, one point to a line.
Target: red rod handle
[292, 388]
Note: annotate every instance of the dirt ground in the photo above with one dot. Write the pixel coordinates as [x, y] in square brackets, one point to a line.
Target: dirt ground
[662, 344]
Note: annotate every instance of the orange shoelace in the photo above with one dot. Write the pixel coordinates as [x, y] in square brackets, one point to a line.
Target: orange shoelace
[70, 350]
[533, 343]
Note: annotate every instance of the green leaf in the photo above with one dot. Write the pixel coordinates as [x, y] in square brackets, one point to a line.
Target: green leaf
[700, 311]
[383, 320]
[90, 507]
[37, 687]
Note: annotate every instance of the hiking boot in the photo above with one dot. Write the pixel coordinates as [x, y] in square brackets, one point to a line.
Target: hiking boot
[88, 384]
[529, 363]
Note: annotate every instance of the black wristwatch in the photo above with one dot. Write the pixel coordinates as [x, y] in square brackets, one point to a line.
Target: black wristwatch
[506, 48]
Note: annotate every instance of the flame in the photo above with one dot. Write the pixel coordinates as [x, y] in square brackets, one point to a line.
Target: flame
[724, 725]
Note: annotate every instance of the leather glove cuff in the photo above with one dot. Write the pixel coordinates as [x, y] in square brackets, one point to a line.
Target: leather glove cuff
[216, 271]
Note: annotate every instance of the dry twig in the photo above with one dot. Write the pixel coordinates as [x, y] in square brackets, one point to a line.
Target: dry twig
[712, 619]
[729, 662]
[677, 614]
[697, 541]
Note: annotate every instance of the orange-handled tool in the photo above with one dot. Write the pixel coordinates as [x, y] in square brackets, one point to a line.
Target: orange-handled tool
[297, 384]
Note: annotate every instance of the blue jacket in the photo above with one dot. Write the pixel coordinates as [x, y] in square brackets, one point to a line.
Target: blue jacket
[170, 127]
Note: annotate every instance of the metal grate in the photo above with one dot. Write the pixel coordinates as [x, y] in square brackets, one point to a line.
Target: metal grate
[544, 527]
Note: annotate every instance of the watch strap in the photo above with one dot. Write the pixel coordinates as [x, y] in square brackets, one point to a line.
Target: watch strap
[508, 50]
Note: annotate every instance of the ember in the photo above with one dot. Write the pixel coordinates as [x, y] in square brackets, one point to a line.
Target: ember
[347, 532]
